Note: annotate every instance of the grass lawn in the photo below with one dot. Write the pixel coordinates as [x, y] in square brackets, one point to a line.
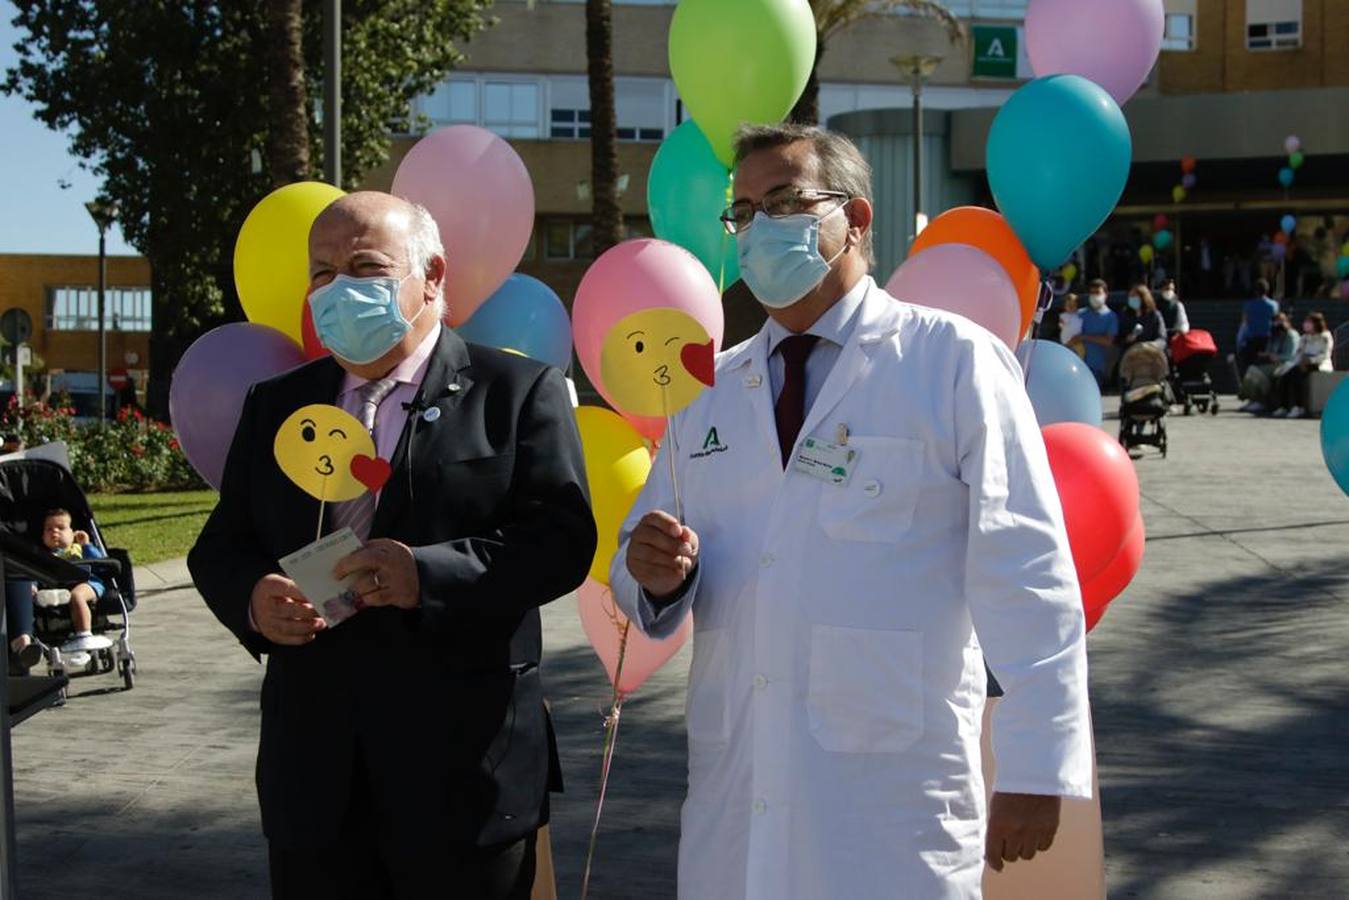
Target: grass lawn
[153, 527]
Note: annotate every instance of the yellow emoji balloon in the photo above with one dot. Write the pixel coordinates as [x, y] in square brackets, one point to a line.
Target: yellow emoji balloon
[656, 361]
[325, 451]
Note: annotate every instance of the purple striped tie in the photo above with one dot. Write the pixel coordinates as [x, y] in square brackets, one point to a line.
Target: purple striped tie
[359, 514]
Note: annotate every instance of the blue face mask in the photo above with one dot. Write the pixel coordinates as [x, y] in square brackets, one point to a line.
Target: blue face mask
[1135, 304]
[359, 319]
[780, 258]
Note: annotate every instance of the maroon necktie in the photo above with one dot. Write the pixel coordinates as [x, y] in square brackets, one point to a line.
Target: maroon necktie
[790, 411]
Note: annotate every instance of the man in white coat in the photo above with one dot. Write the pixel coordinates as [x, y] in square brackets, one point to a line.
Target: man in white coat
[869, 514]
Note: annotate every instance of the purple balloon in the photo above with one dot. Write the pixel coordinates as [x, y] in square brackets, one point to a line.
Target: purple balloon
[211, 381]
[1114, 43]
[1189, 181]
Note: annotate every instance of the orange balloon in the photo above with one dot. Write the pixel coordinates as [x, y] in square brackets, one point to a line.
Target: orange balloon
[987, 230]
[1187, 164]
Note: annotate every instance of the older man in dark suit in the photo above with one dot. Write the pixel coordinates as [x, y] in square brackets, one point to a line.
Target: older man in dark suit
[407, 750]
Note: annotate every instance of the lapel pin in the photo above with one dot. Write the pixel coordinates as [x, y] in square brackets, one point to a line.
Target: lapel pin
[454, 388]
[431, 413]
[753, 381]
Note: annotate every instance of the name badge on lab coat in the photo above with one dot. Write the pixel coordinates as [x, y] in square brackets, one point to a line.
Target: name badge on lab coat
[832, 463]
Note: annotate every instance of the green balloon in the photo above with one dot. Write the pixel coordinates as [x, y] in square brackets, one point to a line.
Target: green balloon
[686, 193]
[1295, 160]
[740, 61]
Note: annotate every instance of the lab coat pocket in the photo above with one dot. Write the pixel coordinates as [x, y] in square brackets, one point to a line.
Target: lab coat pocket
[865, 693]
[706, 708]
[878, 501]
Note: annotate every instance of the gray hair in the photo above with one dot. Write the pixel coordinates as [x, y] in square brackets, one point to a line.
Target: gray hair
[423, 244]
[839, 165]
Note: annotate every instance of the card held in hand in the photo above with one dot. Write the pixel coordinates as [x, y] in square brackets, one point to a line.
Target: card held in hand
[311, 567]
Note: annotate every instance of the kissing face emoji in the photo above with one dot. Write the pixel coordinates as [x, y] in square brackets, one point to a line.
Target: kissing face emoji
[316, 447]
[656, 361]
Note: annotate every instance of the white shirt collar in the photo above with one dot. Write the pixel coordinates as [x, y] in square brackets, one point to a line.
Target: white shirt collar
[835, 326]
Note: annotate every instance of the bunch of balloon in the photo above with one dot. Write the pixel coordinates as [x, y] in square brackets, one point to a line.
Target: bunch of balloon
[480, 194]
[1056, 194]
[968, 261]
[647, 323]
[1098, 489]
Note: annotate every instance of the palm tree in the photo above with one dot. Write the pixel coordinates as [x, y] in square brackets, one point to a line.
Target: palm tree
[288, 128]
[832, 16]
[607, 216]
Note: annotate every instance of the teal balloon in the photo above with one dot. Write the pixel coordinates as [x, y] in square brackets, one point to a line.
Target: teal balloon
[1335, 435]
[1342, 266]
[1060, 386]
[1286, 177]
[1055, 193]
[686, 194]
[1162, 239]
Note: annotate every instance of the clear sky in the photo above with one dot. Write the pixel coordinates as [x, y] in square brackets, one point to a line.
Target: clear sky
[40, 215]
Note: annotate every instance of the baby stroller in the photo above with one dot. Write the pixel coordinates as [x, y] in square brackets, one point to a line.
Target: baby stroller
[1192, 352]
[1145, 399]
[31, 483]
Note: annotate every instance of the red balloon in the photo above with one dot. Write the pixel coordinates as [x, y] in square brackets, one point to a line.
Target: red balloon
[1187, 164]
[1160, 222]
[1098, 488]
[1111, 581]
[1094, 617]
[312, 348]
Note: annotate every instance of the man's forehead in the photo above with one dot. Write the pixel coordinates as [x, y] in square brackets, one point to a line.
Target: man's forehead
[384, 232]
[772, 167]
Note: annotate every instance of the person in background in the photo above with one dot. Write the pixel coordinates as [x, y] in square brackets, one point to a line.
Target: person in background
[1273, 362]
[60, 537]
[1257, 318]
[1070, 323]
[1100, 325]
[1173, 311]
[1317, 345]
[1141, 322]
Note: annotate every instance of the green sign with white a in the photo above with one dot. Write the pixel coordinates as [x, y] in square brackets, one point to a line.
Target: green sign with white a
[994, 51]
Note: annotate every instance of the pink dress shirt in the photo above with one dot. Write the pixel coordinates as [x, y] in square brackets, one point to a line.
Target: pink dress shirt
[391, 416]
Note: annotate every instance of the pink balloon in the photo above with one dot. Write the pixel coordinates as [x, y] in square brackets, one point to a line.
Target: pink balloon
[1114, 43]
[628, 278]
[1292, 143]
[961, 279]
[603, 623]
[478, 190]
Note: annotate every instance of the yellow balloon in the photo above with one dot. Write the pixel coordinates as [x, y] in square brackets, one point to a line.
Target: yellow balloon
[271, 255]
[1178, 193]
[315, 447]
[617, 464]
[1069, 272]
[656, 361]
[1146, 254]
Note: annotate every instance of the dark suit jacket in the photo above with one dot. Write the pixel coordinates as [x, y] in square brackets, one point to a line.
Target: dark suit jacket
[441, 705]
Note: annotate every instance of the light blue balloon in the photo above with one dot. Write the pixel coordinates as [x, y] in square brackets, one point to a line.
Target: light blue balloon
[525, 315]
[1056, 192]
[1061, 387]
[1286, 177]
[1335, 435]
[1162, 239]
[1289, 224]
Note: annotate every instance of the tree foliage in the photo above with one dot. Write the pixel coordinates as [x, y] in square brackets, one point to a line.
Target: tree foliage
[833, 16]
[167, 102]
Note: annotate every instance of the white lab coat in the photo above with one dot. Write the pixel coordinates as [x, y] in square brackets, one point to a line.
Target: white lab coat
[837, 686]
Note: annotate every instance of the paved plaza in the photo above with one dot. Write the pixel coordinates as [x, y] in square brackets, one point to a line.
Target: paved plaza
[1220, 688]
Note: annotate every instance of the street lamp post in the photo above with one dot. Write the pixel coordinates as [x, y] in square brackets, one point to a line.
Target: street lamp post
[332, 92]
[104, 214]
[917, 68]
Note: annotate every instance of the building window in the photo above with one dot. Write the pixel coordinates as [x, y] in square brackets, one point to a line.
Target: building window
[1179, 33]
[1273, 24]
[571, 124]
[511, 108]
[452, 102]
[565, 239]
[76, 309]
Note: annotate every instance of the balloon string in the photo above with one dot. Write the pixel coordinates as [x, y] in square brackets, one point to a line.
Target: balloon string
[1042, 304]
[673, 448]
[607, 756]
[725, 235]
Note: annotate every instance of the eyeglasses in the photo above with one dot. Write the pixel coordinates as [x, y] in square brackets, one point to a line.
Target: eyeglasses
[777, 204]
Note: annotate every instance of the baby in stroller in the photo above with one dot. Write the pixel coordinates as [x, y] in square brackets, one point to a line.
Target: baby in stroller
[1146, 397]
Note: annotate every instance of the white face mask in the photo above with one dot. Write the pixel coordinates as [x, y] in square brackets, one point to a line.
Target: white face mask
[1096, 300]
[1168, 295]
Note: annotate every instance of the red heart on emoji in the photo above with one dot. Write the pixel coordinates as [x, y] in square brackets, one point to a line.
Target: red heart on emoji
[370, 471]
[701, 361]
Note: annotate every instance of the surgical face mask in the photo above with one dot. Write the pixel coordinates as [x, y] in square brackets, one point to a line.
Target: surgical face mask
[1097, 301]
[359, 319]
[780, 258]
[1168, 295]
[1135, 304]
